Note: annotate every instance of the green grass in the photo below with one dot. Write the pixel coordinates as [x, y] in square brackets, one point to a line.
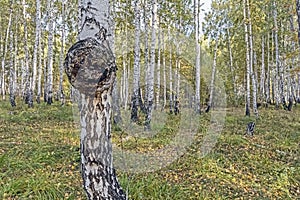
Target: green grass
[39, 157]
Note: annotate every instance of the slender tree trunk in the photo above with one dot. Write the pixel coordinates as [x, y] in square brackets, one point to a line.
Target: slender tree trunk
[40, 72]
[158, 66]
[198, 70]
[262, 73]
[50, 53]
[150, 75]
[268, 84]
[61, 66]
[212, 81]
[298, 15]
[11, 69]
[4, 56]
[36, 43]
[164, 71]
[170, 73]
[136, 66]
[91, 69]
[28, 91]
[247, 60]
[254, 82]
[232, 68]
[279, 71]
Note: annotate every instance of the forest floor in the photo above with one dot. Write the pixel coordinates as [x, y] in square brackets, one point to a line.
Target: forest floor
[39, 157]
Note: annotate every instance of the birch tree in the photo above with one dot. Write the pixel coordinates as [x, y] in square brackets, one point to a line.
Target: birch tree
[251, 49]
[49, 85]
[91, 69]
[248, 68]
[136, 65]
[4, 56]
[11, 68]
[197, 28]
[36, 44]
[212, 81]
[150, 74]
[61, 66]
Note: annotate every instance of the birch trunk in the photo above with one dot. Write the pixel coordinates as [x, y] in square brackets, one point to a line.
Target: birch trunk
[164, 71]
[247, 60]
[298, 19]
[212, 81]
[91, 69]
[262, 73]
[254, 82]
[11, 71]
[50, 53]
[4, 56]
[40, 72]
[268, 84]
[136, 65]
[232, 68]
[61, 66]
[158, 66]
[279, 71]
[150, 75]
[198, 70]
[170, 74]
[27, 91]
[36, 43]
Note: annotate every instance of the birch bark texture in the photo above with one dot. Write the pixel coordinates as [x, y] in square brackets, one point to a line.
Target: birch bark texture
[136, 64]
[198, 69]
[91, 69]
[248, 67]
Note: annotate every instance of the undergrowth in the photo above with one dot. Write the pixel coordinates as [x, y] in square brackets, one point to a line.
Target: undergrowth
[39, 157]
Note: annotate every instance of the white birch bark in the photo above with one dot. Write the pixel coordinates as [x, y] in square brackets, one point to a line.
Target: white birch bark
[50, 52]
[12, 70]
[212, 81]
[40, 71]
[136, 64]
[268, 78]
[61, 66]
[94, 80]
[158, 66]
[248, 68]
[262, 73]
[170, 73]
[36, 43]
[254, 82]
[197, 65]
[4, 56]
[164, 72]
[150, 75]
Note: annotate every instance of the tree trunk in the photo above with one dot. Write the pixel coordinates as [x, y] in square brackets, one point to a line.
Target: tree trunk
[36, 43]
[268, 85]
[91, 69]
[4, 56]
[50, 53]
[136, 65]
[158, 69]
[212, 81]
[150, 74]
[197, 28]
[164, 71]
[170, 73]
[247, 60]
[278, 83]
[262, 73]
[11, 70]
[298, 15]
[232, 68]
[61, 66]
